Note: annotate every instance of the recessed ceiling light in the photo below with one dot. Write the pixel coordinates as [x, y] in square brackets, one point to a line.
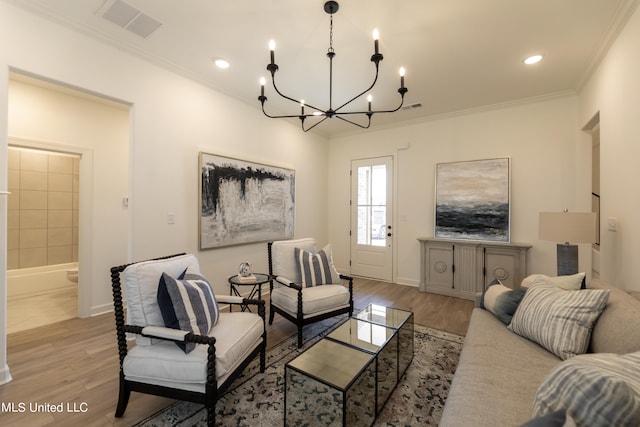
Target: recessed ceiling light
[533, 59]
[221, 63]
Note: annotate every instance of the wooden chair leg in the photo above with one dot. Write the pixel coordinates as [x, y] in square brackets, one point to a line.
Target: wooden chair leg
[299, 336]
[211, 415]
[271, 313]
[123, 398]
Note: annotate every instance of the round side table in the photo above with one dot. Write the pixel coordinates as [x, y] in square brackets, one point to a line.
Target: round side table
[235, 282]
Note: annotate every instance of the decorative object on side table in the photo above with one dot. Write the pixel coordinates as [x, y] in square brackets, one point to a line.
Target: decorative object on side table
[245, 274]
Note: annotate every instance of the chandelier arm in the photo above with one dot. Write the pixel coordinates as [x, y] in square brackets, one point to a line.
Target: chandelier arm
[279, 117]
[314, 125]
[361, 93]
[357, 124]
[297, 101]
[376, 111]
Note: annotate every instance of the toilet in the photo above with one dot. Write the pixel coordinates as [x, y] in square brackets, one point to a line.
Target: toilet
[72, 275]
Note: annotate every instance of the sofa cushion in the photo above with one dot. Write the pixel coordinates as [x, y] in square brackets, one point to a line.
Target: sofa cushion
[315, 300]
[598, 390]
[188, 304]
[316, 268]
[497, 376]
[283, 260]
[560, 321]
[141, 282]
[616, 330]
[237, 334]
[502, 301]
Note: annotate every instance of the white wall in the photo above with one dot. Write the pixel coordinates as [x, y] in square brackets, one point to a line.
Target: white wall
[173, 118]
[614, 92]
[541, 138]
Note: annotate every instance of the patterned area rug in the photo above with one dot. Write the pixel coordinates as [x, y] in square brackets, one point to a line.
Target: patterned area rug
[257, 399]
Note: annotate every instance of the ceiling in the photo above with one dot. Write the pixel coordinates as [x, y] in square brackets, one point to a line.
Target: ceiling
[458, 54]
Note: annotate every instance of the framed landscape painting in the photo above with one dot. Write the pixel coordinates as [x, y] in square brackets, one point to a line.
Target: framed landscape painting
[244, 202]
[473, 200]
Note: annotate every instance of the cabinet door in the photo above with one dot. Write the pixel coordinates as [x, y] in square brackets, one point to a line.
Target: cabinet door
[502, 264]
[439, 259]
[466, 281]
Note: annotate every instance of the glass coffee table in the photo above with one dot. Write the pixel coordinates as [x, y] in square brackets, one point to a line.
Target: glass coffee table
[400, 320]
[346, 378]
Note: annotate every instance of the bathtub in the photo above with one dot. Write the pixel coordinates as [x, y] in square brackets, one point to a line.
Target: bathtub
[39, 280]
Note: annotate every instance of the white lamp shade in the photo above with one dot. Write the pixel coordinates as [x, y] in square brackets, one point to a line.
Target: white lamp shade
[569, 227]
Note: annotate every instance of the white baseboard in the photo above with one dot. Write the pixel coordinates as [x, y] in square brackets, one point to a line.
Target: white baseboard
[101, 309]
[407, 281]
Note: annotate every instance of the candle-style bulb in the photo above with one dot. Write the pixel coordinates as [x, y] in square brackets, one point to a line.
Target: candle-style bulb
[262, 83]
[369, 99]
[302, 106]
[376, 35]
[402, 77]
[272, 49]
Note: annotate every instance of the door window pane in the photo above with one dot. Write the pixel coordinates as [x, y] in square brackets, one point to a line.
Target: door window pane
[372, 209]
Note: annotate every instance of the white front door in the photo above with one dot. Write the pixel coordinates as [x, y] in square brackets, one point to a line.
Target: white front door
[371, 218]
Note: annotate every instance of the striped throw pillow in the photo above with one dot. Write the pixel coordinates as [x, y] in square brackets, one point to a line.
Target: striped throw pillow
[598, 390]
[316, 268]
[187, 303]
[560, 321]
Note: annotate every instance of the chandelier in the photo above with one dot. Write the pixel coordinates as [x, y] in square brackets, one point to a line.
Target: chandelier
[323, 114]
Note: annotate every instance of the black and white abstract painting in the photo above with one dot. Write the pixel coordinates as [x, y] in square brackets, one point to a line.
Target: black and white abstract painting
[473, 200]
[244, 202]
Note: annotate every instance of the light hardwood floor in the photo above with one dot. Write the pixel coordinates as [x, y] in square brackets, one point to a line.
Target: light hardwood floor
[75, 362]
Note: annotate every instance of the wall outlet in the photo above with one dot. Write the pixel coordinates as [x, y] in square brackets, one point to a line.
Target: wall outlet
[171, 218]
[612, 224]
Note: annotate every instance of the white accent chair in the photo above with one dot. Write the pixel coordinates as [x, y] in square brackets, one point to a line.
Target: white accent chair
[298, 304]
[155, 364]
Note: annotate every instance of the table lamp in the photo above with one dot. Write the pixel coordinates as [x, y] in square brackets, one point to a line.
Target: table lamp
[570, 228]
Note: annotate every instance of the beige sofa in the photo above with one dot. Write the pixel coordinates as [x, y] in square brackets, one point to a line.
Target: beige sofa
[499, 372]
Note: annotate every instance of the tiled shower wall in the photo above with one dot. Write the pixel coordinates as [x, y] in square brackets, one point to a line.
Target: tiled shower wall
[42, 209]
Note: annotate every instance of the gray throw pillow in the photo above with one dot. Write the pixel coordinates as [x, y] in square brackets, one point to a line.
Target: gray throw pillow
[502, 301]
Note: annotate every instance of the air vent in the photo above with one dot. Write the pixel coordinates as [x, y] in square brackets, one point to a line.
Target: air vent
[128, 17]
[412, 106]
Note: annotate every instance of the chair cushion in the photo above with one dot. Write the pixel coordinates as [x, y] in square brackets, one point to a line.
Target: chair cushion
[283, 260]
[315, 300]
[187, 304]
[141, 282]
[316, 268]
[237, 334]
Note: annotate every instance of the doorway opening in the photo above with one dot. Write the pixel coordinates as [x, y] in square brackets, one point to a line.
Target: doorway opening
[42, 237]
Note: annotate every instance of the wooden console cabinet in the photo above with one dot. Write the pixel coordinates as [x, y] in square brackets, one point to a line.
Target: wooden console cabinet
[462, 269]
